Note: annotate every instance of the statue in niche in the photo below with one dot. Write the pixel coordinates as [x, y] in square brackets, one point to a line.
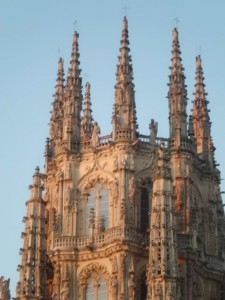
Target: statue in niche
[131, 162]
[95, 135]
[131, 189]
[69, 171]
[114, 284]
[115, 191]
[65, 292]
[131, 287]
[56, 197]
[115, 163]
[68, 196]
[153, 126]
[114, 265]
[123, 162]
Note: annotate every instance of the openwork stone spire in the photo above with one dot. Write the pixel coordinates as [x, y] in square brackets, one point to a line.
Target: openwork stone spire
[73, 100]
[57, 110]
[32, 282]
[87, 120]
[201, 120]
[124, 115]
[177, 96]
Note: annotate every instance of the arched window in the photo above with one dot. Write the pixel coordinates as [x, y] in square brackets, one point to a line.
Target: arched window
[96, 290]
[90, 290]
[145, 205]
[97, 209]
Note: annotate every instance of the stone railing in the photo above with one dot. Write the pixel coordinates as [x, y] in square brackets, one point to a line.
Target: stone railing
[145, 140]
[99, 239]
[105, 140]
[184, 240]
[215, 262]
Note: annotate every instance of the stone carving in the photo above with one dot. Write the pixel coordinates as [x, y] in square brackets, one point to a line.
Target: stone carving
[68, 197]
[95, 135]
[65, 291]
[131, 189]
[131, 287]
[115, 163]
[153, 126]
[114, 286]
[88, 270]
[69, 171]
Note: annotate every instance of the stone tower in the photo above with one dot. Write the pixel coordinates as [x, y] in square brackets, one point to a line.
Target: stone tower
[125, 216]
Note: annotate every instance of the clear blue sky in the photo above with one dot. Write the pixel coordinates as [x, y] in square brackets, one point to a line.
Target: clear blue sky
[31, 32]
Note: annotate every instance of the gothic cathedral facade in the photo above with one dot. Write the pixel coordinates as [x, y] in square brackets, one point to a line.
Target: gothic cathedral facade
[125, 216]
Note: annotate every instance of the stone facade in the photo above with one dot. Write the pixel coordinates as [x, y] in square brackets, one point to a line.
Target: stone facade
[125, 216]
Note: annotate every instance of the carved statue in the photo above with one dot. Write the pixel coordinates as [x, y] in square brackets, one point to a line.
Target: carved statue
[114, 265]
[95, 135]
[131, 287]
[65, 292]
[68, 196]
[114, 284]
[153, 126]
[115, 163]
[131, 189]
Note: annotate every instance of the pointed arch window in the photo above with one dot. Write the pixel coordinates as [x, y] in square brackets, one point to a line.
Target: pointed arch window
[97, 209]
[146, 190]
[96, 289]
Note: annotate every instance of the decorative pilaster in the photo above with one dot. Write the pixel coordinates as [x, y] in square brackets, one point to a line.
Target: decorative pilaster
[124, 114]
[162, 269]
[32, 282]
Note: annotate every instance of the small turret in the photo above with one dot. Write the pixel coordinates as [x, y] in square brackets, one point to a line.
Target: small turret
[87, 120]
[73, 100]
[32, 282]
[201, 120]
[4, 289]
[124, 115]
[177, 97]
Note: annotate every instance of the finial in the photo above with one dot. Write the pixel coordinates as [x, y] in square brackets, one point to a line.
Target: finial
[37, 170]
[198, 61]
[125, 23]
[175, 34]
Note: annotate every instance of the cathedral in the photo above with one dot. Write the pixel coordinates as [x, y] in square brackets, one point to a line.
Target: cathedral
[124, 216]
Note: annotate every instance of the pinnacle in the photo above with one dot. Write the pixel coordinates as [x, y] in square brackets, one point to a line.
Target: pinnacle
[125, 23]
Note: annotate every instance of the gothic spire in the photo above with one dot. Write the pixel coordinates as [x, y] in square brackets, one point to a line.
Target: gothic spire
[201, 120]
[32, 282]
[73, 100]
[57, 109]
[124, 115]
[177, 96]
[87, 120]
